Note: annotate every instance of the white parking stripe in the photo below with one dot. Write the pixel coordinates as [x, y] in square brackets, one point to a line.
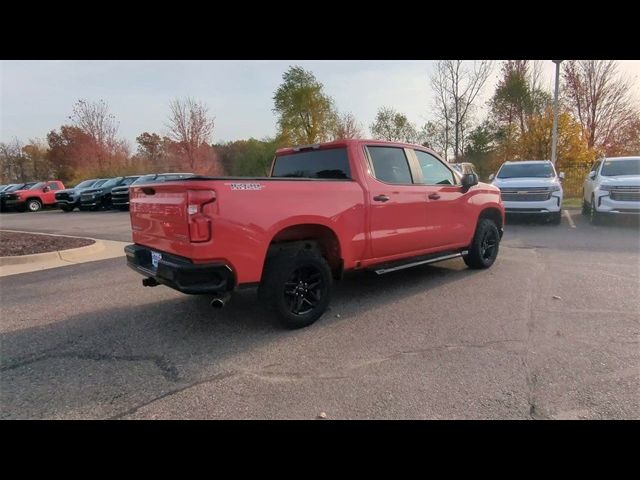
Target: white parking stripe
[568, 215]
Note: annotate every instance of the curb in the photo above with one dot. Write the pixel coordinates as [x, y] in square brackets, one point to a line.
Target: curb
[69, 254]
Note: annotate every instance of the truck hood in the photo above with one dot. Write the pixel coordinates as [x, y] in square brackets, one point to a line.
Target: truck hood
[523, 182]
[622, 181]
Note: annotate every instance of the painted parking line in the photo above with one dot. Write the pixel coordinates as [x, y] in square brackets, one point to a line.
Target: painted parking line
[568, 215]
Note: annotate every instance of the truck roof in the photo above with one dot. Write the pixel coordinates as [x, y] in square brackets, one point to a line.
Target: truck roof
[528, 161]
[346, 142]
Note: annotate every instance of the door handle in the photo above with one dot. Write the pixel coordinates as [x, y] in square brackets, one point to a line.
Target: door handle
[381, 198]
[434, 196]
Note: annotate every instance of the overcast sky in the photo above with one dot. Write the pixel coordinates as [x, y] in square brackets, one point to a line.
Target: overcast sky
[37, 96]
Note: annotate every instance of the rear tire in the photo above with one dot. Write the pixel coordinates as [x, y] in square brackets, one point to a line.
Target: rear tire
[484, 247]
[34, 205]
[297, 285]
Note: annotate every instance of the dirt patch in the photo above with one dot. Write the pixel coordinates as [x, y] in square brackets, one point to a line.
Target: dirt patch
[13, 244]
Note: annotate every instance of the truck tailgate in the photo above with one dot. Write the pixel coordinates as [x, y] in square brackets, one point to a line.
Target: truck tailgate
[171, 216]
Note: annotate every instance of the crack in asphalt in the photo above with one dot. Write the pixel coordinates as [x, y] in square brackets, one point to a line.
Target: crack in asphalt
[530, 376]
[168, 370]
[297, 376]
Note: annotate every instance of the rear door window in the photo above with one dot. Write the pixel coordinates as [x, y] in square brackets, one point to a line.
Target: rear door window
[390, 165]
[330, 163]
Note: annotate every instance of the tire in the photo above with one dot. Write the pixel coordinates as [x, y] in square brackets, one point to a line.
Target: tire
[594, 217]
[34, 205]
[123, 208]
[585, 207]
[66, 208]
[484, 247]
[556, 218]
[297, 285]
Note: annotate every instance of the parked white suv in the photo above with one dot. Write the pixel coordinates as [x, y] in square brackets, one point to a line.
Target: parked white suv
[612, 187]
[530, 187]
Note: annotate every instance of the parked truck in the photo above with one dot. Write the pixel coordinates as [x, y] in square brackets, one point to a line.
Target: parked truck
[324, 210]
[33, 197]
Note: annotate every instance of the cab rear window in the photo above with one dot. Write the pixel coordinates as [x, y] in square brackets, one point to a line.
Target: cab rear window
[329, 164]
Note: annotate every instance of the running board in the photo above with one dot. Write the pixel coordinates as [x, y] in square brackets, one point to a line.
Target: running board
[382, 271]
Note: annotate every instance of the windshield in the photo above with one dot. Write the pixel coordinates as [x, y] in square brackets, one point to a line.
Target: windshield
[34, 186]
[529, 170]
[614, 168]
[129, 180]
[99, 183]
[144, 178]
[85, 184]
[112, 182]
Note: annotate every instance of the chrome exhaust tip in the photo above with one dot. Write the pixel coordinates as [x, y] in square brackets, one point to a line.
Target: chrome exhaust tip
[220, 301]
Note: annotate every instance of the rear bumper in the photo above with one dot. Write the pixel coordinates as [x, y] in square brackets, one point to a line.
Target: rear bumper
[180, 273]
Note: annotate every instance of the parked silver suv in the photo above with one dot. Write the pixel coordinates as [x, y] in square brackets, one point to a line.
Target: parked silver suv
[530, 187]
[612, 187]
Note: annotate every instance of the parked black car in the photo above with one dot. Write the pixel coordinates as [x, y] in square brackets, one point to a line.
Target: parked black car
[12, 188]
[67, 200]
[96, 198]
[120, 195]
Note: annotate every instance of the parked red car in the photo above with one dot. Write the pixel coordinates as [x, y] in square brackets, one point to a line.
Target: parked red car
[34, 198]
[325, 209]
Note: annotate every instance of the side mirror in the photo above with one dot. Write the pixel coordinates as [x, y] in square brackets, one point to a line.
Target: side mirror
[592, 175]
[561, 175]
[469, 180]
[492, 176]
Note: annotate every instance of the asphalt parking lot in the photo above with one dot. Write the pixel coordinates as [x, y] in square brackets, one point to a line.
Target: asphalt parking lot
[551, 331]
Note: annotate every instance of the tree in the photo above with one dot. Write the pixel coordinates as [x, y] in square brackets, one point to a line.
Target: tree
[191, 127]
[346, 126]
[305, 113]
[153, 151]
[13, 162]
[393, 126]
[434, 136]
[600, 99]
[36, 156]
[71, 150]
[95, 120]
[248, 157]
[455, 90]
[535, 144]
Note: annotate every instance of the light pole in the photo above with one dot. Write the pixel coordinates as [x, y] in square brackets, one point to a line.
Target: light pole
[554, 137]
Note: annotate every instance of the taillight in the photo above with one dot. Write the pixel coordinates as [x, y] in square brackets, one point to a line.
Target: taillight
[199, 223]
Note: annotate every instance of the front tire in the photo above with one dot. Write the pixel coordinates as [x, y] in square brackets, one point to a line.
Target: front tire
[483, 250]
[594, 217]
[66, 208]
[34, 205]
[556, 218]
[297, 285]
[585, 207]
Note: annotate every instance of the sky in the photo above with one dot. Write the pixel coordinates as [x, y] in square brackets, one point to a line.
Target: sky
[37, 96]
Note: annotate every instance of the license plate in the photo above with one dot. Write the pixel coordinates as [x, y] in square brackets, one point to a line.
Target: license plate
[155, 258]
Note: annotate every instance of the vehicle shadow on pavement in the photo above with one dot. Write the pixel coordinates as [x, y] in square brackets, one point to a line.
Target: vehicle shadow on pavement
[110, 362]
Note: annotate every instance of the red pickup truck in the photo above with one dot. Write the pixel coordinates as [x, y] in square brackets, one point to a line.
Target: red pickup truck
[34, 198]
[325, 209]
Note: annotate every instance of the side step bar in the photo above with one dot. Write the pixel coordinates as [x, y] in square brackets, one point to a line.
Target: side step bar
[382, 271]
